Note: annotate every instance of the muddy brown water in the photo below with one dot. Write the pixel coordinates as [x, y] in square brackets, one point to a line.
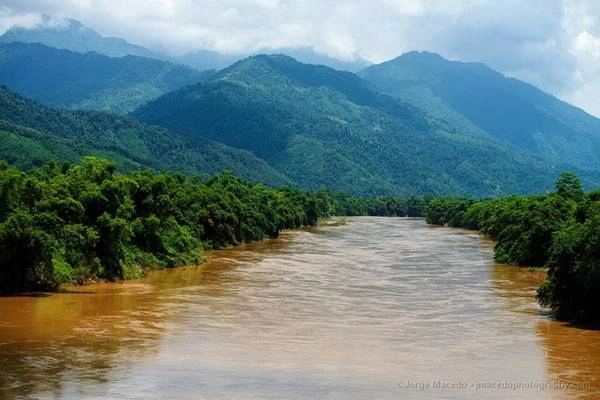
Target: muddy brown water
[383, 308]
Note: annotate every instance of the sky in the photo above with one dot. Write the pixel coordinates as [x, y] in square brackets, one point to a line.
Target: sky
[553, 44]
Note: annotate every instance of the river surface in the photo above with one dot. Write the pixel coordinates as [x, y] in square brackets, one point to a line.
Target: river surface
[383, 308]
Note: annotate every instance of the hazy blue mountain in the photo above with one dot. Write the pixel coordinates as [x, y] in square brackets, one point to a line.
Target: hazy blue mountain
[474, 98]
[31, 134]
[68, 79]
[322, 127]
[73, 35]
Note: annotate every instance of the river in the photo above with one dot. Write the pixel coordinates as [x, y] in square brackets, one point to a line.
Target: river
[382, 308]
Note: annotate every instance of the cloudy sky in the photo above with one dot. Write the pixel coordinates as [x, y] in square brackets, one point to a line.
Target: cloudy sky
[554, 44]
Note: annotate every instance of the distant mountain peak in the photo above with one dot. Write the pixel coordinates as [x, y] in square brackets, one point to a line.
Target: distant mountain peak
[269, 66]
[264, 61]
[263, 58]
[421, 54]
[70, 34]
[49, 22]
[276, 58]
[422, 58]
[74, 24]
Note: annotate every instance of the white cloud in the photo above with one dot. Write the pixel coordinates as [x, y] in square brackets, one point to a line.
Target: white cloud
[553, 44]
[9, 18]
[587, 45]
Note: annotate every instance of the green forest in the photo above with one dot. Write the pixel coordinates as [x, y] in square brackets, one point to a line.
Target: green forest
[560, 231]
[32, 134]
[74, 223]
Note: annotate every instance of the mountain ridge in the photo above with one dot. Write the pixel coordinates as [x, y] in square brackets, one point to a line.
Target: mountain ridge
[321, 127]
[412, 129]
[63, 78]
[480, 100]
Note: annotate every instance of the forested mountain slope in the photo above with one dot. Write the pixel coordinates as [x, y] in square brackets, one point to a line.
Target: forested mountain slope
[322, 127]
[474, 98]
[31, 134]
[68, 79]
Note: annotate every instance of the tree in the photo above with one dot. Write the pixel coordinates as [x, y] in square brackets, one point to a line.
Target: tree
[568, 186]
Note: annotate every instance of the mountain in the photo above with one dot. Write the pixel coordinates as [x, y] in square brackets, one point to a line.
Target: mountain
[73, 35]
[63, 78]
[322, 127]
[474, 98]
[31, 134]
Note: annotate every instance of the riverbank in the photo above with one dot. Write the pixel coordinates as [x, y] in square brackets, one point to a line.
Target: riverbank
[559, 231]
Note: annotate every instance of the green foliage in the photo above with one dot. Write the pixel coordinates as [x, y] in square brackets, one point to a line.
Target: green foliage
[569, 186]
[559, 230]
[72, 223]
[447, 211]
[573, 284]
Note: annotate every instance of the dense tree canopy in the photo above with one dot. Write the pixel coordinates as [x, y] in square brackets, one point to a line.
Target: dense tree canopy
[31, 134]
